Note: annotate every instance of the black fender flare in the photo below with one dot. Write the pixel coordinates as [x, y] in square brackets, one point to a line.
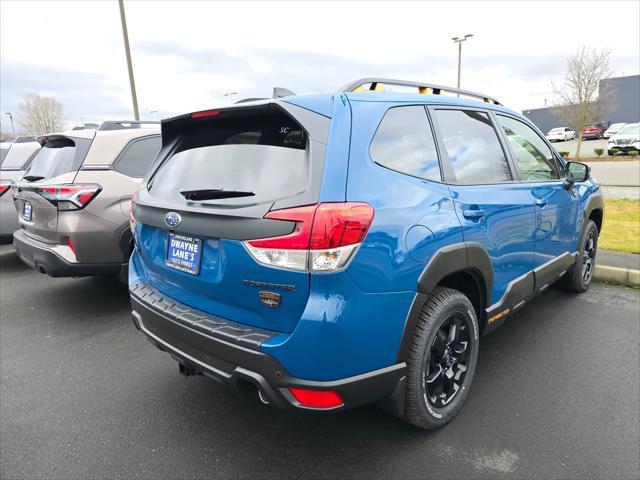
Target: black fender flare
[471, 257]
[595, 202]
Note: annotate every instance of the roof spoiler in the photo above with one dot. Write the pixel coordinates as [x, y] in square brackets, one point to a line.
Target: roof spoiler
[125, 124]
[376, 84]
[280, 92]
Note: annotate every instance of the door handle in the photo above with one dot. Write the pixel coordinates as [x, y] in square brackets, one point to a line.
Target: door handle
[473, 213]
[541, 202]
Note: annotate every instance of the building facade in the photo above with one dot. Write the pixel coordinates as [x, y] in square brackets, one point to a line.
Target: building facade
[626, 105]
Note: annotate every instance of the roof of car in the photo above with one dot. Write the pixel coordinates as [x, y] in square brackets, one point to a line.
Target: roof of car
[323, 102]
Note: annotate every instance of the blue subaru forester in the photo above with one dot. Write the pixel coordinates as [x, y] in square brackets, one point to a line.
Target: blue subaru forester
[332, 250]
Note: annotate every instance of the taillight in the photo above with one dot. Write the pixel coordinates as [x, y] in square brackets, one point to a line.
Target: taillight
[5, 185]
[316, 398]
[324, 239]
[69, 197]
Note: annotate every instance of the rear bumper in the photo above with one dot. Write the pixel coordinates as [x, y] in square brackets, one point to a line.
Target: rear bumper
[43, 259]
[231, 353]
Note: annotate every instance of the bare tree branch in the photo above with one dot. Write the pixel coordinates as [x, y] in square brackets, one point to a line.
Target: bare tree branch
[40, 115]
[582, 99]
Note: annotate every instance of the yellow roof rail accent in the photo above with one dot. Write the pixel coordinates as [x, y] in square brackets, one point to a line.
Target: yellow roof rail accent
[377, 84]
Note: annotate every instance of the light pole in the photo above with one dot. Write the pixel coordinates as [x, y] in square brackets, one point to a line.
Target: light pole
[13, 127]
[459, 41]
[127, 51]
[153, 114]
[229, 94]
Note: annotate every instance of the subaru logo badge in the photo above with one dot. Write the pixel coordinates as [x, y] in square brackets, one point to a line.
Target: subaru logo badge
[172, 219]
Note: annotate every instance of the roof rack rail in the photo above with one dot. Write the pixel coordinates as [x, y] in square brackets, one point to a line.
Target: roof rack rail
[125, 124]
[425, 88]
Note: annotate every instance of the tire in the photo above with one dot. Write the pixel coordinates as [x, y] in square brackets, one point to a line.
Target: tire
[611, 153]
[578, 278]
[432, 407]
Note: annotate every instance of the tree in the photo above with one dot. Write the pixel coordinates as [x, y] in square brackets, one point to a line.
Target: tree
[585, 96]
[40, 115]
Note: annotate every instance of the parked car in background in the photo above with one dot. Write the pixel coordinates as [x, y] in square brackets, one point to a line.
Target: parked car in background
[626, 140]
[594, 131]
[613, 129]
[73, 201]
[337, 249]
[15, 157]
[561, 134]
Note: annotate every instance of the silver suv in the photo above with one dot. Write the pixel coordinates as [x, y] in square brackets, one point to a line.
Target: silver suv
[73, 201]
[14, 160]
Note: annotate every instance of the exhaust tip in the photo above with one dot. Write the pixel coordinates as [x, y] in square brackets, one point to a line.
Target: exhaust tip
[263, 398]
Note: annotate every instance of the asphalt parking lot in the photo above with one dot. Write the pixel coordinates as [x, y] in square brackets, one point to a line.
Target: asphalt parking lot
[84, 395]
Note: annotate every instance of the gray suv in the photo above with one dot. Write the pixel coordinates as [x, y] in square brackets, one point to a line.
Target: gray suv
[14, 160]
[73, 201]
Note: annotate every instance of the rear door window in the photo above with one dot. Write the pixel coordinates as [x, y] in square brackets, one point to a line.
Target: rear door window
[264, 157]
[58, 156]
[472, 146]
[136, 158]
[404, 143]
[534, 159]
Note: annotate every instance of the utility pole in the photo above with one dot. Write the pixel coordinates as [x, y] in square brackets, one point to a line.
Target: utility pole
[127, 51]
[459, 41]
[13, 127]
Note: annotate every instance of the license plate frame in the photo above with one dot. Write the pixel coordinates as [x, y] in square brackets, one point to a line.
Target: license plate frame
[27, 212]
[184, 253]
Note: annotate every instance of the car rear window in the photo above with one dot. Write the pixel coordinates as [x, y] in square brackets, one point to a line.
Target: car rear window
[58, 156]
[3, 154]
[19, 155]
[265, 154]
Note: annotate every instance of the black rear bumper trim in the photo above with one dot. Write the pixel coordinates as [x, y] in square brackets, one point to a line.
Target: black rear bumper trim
[232, 363]
[45, 260]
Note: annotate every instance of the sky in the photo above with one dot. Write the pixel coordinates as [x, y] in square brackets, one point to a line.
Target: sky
[186, 55]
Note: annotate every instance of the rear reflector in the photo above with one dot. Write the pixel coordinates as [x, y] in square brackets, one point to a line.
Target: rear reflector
[317, 398]
[69, 197]
[70, 243]
[5, 185]
[206, 114]
[325, 236]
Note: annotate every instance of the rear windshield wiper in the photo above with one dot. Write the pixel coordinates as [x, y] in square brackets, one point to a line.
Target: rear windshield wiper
[212, 194]
[32, 178]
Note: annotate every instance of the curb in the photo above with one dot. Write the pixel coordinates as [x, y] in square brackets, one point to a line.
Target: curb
[618, 276]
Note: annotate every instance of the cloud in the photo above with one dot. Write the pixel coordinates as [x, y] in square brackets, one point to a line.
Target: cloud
[91, 96]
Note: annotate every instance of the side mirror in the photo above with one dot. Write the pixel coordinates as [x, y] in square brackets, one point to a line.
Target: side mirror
[576, 172]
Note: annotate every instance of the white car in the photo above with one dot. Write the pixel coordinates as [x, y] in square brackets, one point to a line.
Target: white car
[560, 134]
[613, 129]
[627, 139]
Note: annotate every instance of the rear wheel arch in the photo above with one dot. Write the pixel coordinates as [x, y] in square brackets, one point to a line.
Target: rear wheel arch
[465, 267]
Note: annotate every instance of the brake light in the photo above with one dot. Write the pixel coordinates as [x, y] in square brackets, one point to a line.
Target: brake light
[5, 185]
[317, 398]
[206, 114]
[69, 197]
[325, 236]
